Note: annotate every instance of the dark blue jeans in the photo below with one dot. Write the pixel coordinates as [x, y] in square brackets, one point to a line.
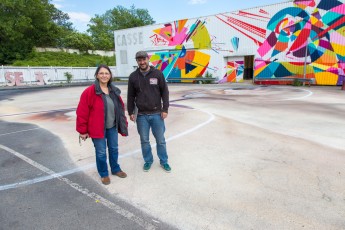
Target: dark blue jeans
[110, 139]
[156, 123]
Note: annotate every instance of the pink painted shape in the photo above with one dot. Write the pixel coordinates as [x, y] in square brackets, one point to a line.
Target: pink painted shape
[342, 65]
[11, 80]
[260, 64]
[339, 9]
[306, 3]
[19, 78]
[179, 38]
[39, 78]
[175, 38]
[337, 38]
[264, 48]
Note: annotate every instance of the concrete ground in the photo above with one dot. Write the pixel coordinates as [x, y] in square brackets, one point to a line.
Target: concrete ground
[242, 156]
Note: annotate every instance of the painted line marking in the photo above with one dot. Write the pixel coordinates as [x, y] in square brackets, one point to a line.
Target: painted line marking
[85, 191]
[25, 130]
[35, 112]
[298, 98]
[92, 165]
[44, 178]
[287, 99]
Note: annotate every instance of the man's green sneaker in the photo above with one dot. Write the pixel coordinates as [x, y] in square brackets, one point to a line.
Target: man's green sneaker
[166, 167]
[147, 167]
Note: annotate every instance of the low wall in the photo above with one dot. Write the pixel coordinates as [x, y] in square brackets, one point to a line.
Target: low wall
[20, 76]
[98, 52]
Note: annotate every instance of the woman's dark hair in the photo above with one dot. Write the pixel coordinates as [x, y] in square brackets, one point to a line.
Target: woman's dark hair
[106, 67]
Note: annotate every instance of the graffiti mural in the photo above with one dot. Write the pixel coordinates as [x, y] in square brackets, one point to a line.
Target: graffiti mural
[295, 39]
[308, 36]
[253, 32]
[181, 62]
[234, 72]
[241, 23]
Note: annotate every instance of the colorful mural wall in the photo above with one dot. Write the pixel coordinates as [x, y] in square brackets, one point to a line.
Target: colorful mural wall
[180, 62]
[299, 39]
[234, 72]
[311, 32]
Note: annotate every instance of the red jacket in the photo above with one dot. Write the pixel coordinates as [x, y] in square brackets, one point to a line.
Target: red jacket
[91, 112]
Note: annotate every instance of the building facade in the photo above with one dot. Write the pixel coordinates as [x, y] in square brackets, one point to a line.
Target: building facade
[294, 39]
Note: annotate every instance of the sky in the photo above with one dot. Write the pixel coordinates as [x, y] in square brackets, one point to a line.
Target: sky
[81, 11]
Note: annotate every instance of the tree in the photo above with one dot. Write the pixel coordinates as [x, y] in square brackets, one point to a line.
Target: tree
[62, 19]
[80, 41]
[28, 23]
[102, 27]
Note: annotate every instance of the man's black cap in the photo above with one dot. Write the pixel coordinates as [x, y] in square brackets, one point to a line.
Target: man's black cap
[141, 54]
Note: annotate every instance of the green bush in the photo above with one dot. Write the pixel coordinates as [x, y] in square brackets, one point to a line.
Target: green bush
[64, 59]
[68, 76]
[208, 75]
[296, 82]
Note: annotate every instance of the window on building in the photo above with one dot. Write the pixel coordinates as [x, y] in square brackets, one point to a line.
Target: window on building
[123, 57]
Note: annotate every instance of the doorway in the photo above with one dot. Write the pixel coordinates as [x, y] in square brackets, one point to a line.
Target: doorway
[248, 70]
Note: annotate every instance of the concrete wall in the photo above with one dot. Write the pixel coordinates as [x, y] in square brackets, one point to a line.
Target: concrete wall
[98, 52]
[289, 39]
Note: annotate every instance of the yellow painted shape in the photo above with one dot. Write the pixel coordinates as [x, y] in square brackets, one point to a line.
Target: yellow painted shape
[259, 70]
[341, 31]
[201, 38]
[313, 20]
[200, 60]
[324, 66]
[328, 58]
[296, 69]
[339, 49]
[297, 33]
[326, 78]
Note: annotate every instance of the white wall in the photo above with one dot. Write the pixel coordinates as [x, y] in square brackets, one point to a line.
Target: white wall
[26, 76]
[98, 52]
[219, 28]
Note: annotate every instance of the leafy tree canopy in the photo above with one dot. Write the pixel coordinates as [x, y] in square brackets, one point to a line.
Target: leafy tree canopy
[28, 23]
[102, 27]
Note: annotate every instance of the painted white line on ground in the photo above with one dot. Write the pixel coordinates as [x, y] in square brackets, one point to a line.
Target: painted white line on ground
[210, 119]
[298, 98]
[25, 130]
[84, 191]
[35, 112]
[44, 178]
[92, 165]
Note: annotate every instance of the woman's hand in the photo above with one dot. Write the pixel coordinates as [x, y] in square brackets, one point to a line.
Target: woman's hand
[84, 136]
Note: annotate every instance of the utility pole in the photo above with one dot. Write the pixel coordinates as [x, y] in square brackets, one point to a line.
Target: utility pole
[305, 62]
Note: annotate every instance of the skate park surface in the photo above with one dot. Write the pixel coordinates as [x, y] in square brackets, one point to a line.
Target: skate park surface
[243, 156]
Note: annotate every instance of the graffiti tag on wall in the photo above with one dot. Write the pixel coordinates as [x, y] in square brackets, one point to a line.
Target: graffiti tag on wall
[16, 79]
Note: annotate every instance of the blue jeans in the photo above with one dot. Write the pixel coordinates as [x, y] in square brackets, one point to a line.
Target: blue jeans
[110, 139]
[156, 123]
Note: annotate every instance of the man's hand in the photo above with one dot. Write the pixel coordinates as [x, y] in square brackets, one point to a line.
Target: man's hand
[131, 117]
[164, 115]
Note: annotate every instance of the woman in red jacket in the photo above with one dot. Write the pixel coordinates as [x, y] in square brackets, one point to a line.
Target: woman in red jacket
[101, 116]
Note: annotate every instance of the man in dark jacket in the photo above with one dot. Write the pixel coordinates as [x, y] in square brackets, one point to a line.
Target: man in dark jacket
[147, 104]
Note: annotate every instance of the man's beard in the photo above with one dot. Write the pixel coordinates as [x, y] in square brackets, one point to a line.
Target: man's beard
[144, 67]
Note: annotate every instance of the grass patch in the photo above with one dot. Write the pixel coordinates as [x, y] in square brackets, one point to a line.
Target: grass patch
[65, 59]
